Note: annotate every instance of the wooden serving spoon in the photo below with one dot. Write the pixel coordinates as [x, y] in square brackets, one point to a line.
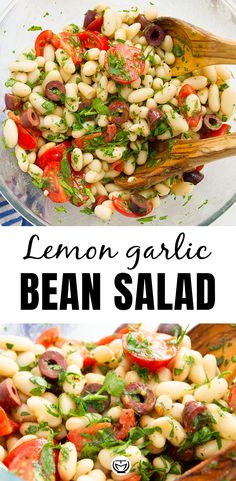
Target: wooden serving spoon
[220, 340]
[181, 157]
[196, 47]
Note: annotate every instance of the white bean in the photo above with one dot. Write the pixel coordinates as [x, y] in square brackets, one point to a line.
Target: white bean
[49, 53]
[77, 159]
[21, 90]
[140, 95]
[228, 102]
[175, 389]
[67, 461]
[87, 91]
[198, 82]
[214, 98]
[10, 133]
[24, 66]
[109, 23]
[215, 389]
[8, 367]
[165, 94]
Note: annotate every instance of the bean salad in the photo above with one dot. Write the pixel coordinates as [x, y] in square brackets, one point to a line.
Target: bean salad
[90, 105]
[68, 408]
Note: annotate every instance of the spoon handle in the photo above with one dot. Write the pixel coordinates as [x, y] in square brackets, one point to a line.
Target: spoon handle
[184, 156]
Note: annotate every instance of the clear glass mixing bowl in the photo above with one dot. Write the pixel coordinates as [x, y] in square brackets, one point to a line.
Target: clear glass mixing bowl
[210, 199]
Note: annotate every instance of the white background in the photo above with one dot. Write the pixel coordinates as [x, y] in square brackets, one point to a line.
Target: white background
[220, 241]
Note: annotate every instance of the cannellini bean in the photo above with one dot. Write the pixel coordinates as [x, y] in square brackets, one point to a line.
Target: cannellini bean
[181, 364]
[35, 172]
[109, 23]
[97, 475]
[103, 354]
[10, 133]
[22, 381]
[65, 61]
[207, 450]
[167, 44]
[84, 466]
[49, 53]
[214, 98]
[3, 454]
[81, 421]
[151, 13]
[224, 422]
[198, 82]
[116, 154]
[163, 71]
[182, 188]
[203, 95]
[25, 358]
[18, 343]
[87, 91]
[133, 30]
[23, 66]
[175, 389]
[44, 410]
[23, 77]
[66, 404]
[165, 94]
[92, 377]
[39, 102]
[210, 73]
[89, 68]
[21, 90]
[40, 61]
[170, 429]
[67, 461]
[215, 389]
[8, 367]
[140, 95]
[77, 160]
[228, 102]
[210, 367]
[75, 382]
[223, 72]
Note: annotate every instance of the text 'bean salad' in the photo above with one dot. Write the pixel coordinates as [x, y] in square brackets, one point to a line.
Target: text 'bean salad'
[68, 408]
[91, 104]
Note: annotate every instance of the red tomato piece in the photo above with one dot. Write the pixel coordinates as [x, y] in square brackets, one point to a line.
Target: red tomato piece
[96, 25]
[76, 437]
[134, 477]
[27, 139]
[110, 133]
[118, 165]
[122, 207]
[125, 423]
[232, 399]
[107, 340]
[117, 335]
[224, 130]
[194, 119]
[70, 43]
[42, 40]
[124, 64]
[24, 460]
[93, 40]
[89, 361]
[199, 168]
[81, 143]
[49, 337]
[99, 200]
[56, 192]
[150, 350]
[54, 154]
[6, 425]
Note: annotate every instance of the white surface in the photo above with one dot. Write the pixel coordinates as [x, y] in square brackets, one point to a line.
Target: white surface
[229, 218]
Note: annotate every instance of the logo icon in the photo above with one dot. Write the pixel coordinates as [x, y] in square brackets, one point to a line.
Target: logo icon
[121, 465]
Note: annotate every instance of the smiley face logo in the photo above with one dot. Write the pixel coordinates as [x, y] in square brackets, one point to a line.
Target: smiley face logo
[121, 465]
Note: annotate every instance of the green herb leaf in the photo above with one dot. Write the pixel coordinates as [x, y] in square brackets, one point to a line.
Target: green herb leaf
[113, 384]
[34, 28]
[100, 108]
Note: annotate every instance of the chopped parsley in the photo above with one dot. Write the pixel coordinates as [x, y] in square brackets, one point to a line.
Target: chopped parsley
[34, 28]
[144, 220]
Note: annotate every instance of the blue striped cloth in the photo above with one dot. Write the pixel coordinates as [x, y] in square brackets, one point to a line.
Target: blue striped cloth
[9, 216]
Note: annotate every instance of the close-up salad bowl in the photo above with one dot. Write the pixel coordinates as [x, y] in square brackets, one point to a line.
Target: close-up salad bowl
[118, 114]
[159, 399]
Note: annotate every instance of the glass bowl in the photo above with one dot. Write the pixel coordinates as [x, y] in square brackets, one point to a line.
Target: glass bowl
[210, 199]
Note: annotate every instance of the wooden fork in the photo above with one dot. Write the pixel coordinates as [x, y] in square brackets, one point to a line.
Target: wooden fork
[182, 157]
[197, 47]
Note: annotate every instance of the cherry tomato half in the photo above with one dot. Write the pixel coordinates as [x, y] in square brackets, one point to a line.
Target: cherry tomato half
[118, 165]
[93, 40]
[49, 337]
[54, 154]
[42, 40]
[27, 138]
[232, 399]
[150, 350]
[6, 425]
[124, 64]
[55, 190]
[110, 133]
[194, 119]
[70, 43]
[225, 129]
[24, 460]
[76, 437]
[125, 423]
[96, 25]
[122, 207]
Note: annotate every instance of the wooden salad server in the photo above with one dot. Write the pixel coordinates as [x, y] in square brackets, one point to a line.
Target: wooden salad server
[220, 340]
[196, 48]
[179, 157]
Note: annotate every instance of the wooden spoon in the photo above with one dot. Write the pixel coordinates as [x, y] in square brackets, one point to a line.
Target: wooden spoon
[181, 157]
[221, 467]
[197, 47]
[220, 340]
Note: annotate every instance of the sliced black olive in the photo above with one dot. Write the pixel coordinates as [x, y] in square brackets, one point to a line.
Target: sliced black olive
[185, 455]
[171, 329]
[154, 117]
[146, 396]
[12, 102]
[119, 112]
[138, 204]
[55, 90]
[98, 406]
[194, 177]
[212, 122]
[9, 398]
[30, 119]
[143, 21]
[89, 17]
[51, 363]
[154, 35]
